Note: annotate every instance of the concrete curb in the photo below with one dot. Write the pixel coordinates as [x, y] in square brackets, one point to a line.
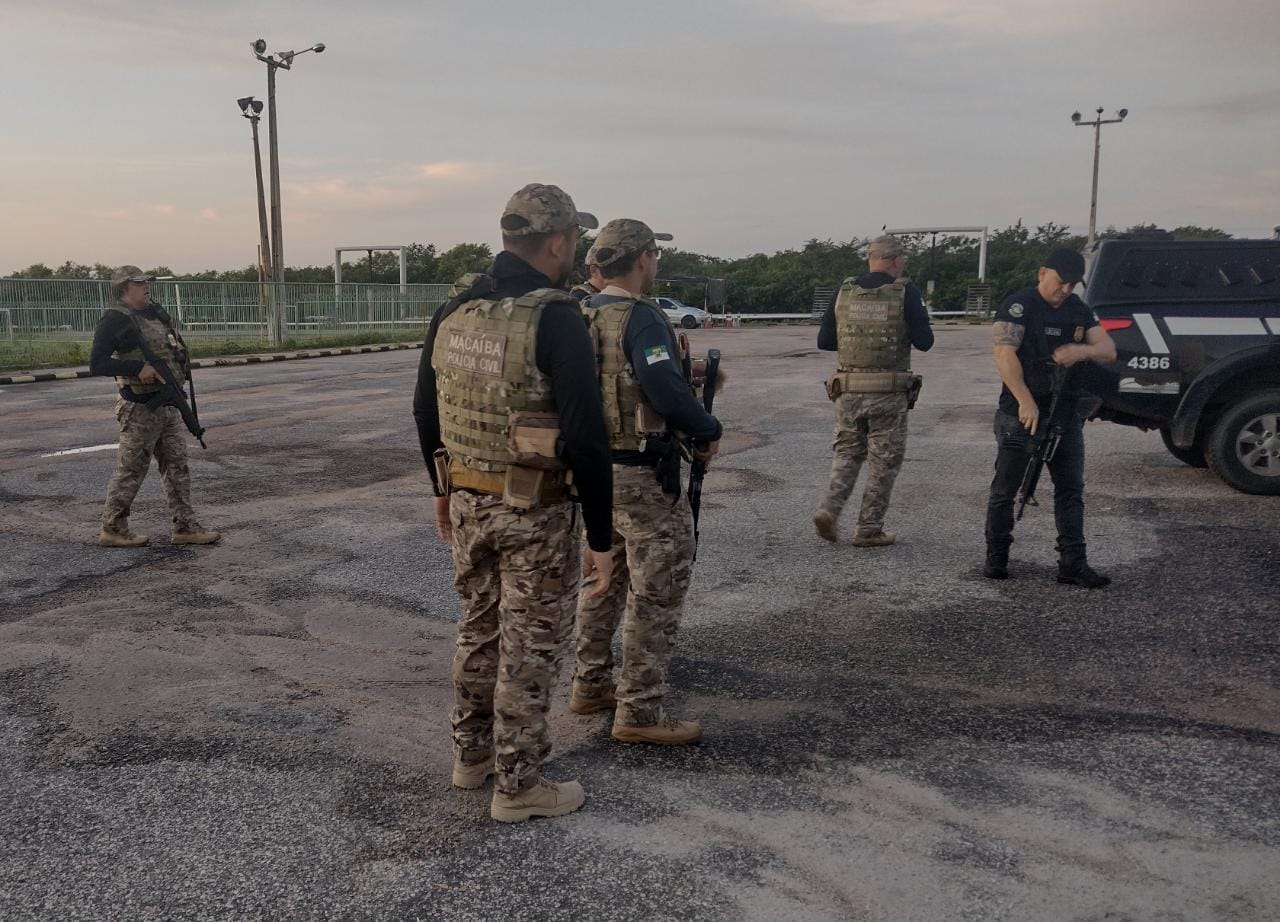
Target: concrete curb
[221, 362]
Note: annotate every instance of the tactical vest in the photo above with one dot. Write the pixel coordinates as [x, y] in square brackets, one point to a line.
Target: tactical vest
[583, 292]
[620, 392]
[871, 328]
[485, 360]
[163, 342]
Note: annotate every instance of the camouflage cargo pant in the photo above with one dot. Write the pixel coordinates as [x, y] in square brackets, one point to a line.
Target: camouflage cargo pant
[517, 575]
[144, 433]
[871, 428]
[652, 566]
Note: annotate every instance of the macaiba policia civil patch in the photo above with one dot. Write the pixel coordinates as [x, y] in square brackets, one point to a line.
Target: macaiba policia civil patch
[480, 353]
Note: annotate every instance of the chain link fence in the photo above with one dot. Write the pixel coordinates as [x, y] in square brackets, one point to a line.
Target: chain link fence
[50, 322]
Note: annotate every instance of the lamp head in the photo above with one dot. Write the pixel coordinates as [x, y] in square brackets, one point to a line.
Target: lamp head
[259, 47]
[318, 47]
[1122, 113]
[1075, 117]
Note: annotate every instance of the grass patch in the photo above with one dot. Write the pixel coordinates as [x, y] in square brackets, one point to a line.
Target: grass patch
[34, 355]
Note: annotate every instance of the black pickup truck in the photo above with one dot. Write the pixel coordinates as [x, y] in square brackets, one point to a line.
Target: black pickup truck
[1197, 332]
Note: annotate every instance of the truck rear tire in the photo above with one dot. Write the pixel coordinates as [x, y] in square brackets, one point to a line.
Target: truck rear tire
[1244, 446]
[1193, 456]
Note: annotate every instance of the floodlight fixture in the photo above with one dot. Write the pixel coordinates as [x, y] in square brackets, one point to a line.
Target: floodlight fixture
[1096, 124]
[251, 107]
[259, 47]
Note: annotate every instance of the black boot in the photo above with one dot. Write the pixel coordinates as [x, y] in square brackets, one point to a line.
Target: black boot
[1081, 574]
[997, 565]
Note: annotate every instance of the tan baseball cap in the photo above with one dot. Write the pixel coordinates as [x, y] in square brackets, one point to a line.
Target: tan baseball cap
[130, 274]
[126, 274]
[543, 209]
[619, 238]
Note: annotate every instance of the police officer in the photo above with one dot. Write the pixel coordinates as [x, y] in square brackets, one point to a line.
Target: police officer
[1037, 329]
[147, 427]
[508, 354]
[872, 323]
[586, 290]
[647, 395]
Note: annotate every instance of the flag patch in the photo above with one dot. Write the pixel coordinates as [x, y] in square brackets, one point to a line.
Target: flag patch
[655, 354]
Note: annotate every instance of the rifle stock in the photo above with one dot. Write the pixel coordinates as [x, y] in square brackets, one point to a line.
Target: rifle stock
[698, 469]
[1043, 445]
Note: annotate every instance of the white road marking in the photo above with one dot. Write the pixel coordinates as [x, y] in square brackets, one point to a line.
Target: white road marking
[1273, 324]
[81, 451]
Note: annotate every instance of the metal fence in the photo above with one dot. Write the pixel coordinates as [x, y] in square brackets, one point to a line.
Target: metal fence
[47, 322]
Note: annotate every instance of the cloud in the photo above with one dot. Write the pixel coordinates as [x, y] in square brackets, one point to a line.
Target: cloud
[1233, 107]
[399, 187]
[460, 170]
[995, 18]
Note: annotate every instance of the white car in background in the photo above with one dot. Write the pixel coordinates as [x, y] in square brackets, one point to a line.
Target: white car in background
[681, 314]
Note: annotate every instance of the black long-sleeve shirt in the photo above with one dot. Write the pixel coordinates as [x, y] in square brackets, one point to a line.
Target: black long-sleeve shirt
[564, 353]
[655, 360]
[914, 311]
[114, 333]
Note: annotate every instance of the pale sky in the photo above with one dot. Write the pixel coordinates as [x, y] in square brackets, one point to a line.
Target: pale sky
[740, 126]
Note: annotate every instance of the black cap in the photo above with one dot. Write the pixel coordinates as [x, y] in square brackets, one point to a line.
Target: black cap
[1067, 263]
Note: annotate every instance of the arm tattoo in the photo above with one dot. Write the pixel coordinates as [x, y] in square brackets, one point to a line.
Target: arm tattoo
[1005, 333]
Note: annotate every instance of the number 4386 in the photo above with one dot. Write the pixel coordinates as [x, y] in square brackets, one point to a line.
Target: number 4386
[1150, 362]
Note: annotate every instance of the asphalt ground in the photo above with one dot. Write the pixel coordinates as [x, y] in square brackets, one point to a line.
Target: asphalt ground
[259, 729]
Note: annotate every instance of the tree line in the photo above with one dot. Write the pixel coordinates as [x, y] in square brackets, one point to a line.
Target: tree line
[783, 282]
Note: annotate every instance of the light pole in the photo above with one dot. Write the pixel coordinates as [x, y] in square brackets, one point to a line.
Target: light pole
[274, 62]
[1097, 124]
[252, 110]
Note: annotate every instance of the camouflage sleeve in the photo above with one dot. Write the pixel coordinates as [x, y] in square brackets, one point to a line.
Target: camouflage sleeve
[1007, 333]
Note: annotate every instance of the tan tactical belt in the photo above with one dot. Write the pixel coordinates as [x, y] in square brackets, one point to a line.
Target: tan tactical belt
[494, 483]
[874, 382]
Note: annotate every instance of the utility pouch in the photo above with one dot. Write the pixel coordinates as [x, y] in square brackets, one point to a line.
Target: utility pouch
[441, 462]
[523, 487]
[534, 440]
[835, 386]
[648, 420]
[913, 391]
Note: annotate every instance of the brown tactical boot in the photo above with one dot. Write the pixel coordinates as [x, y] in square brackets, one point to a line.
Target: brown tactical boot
[590, 704]
[827, 526]
[121, 539]
[667, 732]
[879, 539]
[192, 533]
[542, 798]
[471, 775]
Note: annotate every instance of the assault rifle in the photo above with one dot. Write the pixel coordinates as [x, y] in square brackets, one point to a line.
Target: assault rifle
[1043, 445]
[698, 469]
[171, 393]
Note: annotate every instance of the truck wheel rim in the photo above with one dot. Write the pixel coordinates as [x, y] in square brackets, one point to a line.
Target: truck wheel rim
[1258, 445]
